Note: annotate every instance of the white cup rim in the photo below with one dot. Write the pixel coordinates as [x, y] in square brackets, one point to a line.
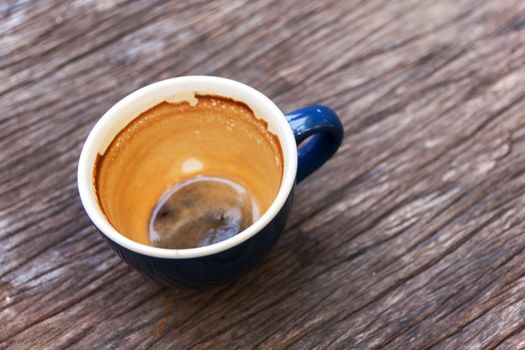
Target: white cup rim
[105, 130]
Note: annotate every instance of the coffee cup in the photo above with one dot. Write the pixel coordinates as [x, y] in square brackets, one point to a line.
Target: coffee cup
[227, 260]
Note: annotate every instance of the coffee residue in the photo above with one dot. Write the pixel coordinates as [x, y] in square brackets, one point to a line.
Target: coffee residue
[201, 211]
[174, 142]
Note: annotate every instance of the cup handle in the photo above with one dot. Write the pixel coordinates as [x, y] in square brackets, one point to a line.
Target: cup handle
[326, 130]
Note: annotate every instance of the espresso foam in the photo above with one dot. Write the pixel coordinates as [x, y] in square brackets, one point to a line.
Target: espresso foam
[172, 143]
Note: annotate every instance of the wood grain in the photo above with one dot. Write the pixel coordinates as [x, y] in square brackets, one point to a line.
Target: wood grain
[411, 237]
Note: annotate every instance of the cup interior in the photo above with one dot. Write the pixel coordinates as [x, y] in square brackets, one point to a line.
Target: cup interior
[178, 90]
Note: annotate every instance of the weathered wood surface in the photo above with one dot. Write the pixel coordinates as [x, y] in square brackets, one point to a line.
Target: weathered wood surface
[410, 238]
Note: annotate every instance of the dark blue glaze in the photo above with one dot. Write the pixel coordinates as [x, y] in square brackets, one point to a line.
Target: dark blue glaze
[322, 124]
[326, 130]
[211, 270]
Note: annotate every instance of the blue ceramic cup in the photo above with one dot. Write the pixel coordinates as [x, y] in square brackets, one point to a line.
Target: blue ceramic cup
[227, 260]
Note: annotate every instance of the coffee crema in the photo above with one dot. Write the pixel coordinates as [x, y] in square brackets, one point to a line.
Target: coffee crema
[185, 175]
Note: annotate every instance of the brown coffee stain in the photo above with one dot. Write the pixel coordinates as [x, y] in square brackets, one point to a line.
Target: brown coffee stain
[169, 302]
[98, 162]
[172, 142]
[161, 328]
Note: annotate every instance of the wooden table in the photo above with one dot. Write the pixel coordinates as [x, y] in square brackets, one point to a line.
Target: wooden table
[410, 238]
